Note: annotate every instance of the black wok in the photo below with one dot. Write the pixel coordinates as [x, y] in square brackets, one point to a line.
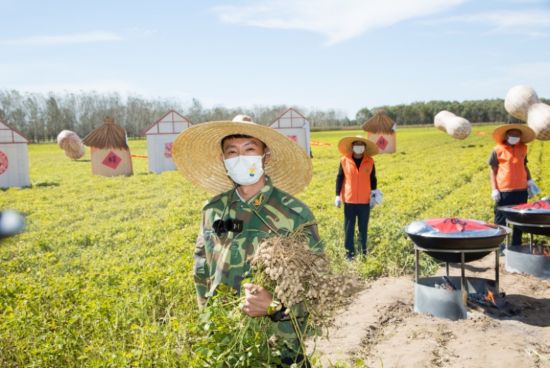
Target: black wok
[424, 236]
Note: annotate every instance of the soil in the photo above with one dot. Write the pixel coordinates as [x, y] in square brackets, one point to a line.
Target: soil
[380, 328]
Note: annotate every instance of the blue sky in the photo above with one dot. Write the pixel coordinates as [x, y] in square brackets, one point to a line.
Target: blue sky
[340, 54]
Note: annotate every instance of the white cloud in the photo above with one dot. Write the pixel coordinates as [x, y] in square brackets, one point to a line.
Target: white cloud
[527, 22]
[338, 20]
[67, 39]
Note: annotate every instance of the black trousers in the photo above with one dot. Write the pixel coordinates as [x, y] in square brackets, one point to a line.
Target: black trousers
[356, 213]
[510, 198]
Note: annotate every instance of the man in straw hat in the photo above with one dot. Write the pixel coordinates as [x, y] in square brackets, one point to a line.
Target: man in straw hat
[253, 170]
[511, 181]
[356, 187]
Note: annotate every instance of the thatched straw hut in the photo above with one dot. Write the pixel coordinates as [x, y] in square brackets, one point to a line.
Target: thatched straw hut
[109, 150]
[381, 130]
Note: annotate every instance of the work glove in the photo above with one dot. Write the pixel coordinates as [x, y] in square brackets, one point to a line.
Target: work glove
[337, 201]
[495, 194]
[375, 198]
[532, 188]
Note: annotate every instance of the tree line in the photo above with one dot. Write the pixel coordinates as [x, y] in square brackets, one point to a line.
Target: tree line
[475, 111]
[40, 117]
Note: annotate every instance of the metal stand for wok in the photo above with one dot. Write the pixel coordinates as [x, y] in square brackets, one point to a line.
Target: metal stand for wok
[518, 260]
[514, 223]
[450, 304]
[463, 283]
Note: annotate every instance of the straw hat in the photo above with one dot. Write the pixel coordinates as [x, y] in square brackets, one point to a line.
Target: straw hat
[196, 152]
[527, 134]
[344, 146]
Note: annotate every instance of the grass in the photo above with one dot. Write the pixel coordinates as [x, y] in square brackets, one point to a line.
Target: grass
[103, 274]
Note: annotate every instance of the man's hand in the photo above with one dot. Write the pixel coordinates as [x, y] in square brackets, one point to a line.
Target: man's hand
[337, 201]
[495, 194]
[256, 301]
[532, 188]
[375, 198]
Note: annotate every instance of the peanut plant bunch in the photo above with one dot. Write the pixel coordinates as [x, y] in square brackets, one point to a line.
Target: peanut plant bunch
[296, 274]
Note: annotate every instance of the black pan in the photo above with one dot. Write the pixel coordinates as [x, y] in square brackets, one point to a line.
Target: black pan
[447, 243]
[424, 236]
[535, 216]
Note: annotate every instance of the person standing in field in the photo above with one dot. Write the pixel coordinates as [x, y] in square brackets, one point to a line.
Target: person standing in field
[511, 181]
[252, 169]
[356, 187]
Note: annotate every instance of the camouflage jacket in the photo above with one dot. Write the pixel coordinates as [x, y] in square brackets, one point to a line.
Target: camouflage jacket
[224, 258]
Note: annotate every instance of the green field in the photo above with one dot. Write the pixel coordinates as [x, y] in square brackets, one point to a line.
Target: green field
[103, 274]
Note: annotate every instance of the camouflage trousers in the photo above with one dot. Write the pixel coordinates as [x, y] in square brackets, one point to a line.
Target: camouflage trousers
[286, 334]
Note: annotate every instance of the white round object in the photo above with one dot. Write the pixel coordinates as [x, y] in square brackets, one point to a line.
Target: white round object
[455, 126]
[518, 99]
[441, 117]
[11, 223]
[71, 143]
[458, 127]
[538, 119]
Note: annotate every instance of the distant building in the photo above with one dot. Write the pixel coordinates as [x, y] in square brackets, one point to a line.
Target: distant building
[381, 130]
[110, 154]
[295, 126]
[14, 158]
[160, 136]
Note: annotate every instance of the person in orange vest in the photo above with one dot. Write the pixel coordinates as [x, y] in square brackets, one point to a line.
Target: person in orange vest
[511, 181]
[356, 188]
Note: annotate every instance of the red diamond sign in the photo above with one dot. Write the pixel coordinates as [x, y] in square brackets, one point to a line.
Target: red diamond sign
[382, 142]
[112, 160]
[3, 162]
[168, 150]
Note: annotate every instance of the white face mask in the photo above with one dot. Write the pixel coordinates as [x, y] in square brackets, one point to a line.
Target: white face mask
[244, 170]
[513, 140]
[358, 149]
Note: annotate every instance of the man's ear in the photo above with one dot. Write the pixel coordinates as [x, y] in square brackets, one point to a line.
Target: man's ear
[267, 155]
[221, 157]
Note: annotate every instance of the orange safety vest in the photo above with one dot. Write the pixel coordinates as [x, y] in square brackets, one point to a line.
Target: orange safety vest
[511, 174]
[356, 186]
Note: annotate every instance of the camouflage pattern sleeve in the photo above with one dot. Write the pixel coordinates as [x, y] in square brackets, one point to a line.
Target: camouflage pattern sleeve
[200, 270]
[309, 223]
[315, 242]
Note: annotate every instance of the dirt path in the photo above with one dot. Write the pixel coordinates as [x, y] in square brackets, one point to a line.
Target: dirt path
[381, 328]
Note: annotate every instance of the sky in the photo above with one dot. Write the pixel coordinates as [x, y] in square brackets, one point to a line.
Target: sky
[320, 54]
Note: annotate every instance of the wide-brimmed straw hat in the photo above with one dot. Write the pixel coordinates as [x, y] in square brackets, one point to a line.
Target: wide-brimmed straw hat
[197, 150]
[527, 134]
[344, 146]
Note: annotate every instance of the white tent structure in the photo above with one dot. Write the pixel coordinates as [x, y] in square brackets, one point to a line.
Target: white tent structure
[14, 158]
[160, 136]
[295, 126]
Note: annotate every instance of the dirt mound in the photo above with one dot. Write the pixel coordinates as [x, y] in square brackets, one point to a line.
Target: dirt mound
[381, 329]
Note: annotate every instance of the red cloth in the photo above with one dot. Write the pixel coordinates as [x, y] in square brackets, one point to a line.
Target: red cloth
[543, 205]
[456, 225]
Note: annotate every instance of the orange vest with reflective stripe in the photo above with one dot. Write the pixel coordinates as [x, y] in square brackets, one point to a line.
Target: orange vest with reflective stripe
[511, 174]
[356, 186]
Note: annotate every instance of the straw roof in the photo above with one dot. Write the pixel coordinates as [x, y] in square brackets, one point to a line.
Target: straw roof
[108, 135]
[379, 123]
